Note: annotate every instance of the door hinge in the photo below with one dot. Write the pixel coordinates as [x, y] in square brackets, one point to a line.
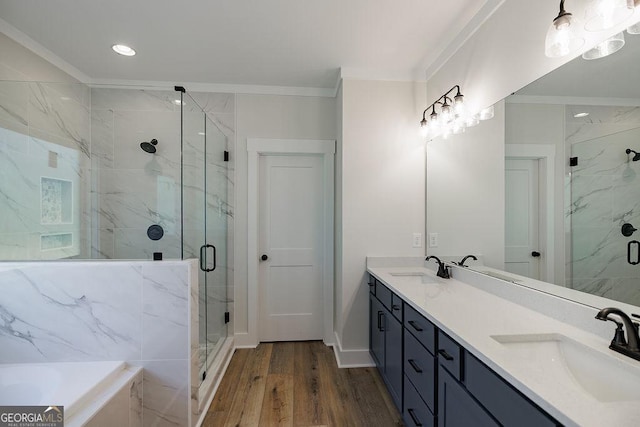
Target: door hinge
[179, 89]
[226, 317]
[226, 156]
[573, 161]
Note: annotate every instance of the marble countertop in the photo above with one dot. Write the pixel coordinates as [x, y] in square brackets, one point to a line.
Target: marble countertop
[472, 316]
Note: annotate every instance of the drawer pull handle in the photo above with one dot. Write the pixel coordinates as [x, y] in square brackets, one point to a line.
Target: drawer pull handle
[371, 284]
[415, 326]
[415, 419]
[415, 366]
[395, 307]
[444, 354]
[380, 316]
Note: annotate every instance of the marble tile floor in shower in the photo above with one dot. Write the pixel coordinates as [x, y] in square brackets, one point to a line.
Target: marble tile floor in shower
[299, 384]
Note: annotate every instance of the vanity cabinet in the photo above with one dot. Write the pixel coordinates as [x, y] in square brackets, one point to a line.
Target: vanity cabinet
[385, 337]
[434, 380]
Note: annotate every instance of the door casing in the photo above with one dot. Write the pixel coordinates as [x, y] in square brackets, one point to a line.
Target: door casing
[260, 147]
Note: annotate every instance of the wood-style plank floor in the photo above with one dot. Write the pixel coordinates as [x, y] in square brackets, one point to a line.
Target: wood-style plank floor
[299, 384]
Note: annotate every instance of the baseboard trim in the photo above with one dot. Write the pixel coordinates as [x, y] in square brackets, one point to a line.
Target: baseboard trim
[359, 358]
[244, 340]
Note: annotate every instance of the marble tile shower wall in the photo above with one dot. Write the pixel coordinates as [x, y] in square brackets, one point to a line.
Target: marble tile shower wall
[605, 194]
[133, 189]
[136, 311]
[44, 170]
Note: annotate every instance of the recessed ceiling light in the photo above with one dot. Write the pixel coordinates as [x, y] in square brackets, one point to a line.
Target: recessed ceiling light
[178, 102]
[578, 115]
[201, 133]
[123, 49]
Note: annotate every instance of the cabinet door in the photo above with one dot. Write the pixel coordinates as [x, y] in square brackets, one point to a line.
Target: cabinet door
[456, 407]
[376, 331]
[393, 357]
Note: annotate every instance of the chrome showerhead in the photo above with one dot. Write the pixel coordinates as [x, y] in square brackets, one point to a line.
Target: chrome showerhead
[636, 155]
[149, 147]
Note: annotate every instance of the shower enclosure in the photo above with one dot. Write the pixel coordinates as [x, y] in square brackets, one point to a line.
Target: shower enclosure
[604, 203]
[120, 173]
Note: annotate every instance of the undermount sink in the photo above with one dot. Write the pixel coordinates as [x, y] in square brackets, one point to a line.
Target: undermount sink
[413, 277]
[559, 359]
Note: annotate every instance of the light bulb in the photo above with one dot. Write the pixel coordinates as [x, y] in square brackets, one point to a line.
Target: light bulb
[458, 126]
[473, 120]
[562, 36]
[445, 115]
[487, 113]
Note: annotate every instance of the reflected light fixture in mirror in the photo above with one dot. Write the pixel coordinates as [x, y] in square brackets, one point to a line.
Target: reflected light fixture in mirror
[605, 14]
[563, 36]
[605, 48]
[452, 117]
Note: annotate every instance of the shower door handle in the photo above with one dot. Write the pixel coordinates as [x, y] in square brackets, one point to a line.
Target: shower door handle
[203, 258]
[637, 252]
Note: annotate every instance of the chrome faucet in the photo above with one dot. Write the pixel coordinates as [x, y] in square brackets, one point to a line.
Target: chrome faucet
[443, 270]
[461, 263]
[619, 343]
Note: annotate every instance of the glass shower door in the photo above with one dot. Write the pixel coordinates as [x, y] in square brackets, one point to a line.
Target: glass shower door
[216, 224]
[205, 224]
[604, 198]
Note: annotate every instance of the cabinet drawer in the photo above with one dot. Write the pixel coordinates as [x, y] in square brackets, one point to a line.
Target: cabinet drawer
[372, 285]
[420, 368]
[504, 402]
[384, 295]
[415, 413]
[396, 307]
[420, 327]
[450, 355]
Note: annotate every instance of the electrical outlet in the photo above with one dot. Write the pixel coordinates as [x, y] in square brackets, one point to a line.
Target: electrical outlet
[417, 240]
[433, 240]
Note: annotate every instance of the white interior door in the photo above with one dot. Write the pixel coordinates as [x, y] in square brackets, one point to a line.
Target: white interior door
[522, 217]
[290, 233]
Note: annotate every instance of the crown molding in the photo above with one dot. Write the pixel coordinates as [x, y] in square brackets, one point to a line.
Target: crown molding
[29, 43]
[573, 100]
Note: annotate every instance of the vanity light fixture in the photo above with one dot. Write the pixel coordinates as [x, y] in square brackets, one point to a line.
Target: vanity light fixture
[605, 48]
[563, 35]
[123, 50]
[487, 113]
[605, 14]
[451, 118]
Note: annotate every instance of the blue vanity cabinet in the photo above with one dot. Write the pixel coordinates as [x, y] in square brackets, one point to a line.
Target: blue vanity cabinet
[456, 407]
[434, 380]
[376, 332]
[385, 337]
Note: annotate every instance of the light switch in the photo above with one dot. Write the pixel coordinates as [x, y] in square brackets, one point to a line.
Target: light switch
[433, 240]
[417, 240]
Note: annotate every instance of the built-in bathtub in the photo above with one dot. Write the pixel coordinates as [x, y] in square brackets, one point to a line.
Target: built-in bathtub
[91, 393]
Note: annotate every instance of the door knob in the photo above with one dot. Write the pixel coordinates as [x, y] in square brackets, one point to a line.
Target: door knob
[264, 257]
[535, 254]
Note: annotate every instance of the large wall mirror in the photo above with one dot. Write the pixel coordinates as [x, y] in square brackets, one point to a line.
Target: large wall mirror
[549, 189]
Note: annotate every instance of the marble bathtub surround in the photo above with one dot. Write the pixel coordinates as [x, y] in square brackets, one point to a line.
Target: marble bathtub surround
[138, 312]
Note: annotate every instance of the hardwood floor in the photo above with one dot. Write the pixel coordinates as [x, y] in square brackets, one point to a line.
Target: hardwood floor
[299, 384]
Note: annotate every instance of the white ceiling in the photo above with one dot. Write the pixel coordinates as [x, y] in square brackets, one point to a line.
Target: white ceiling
[294, 43]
